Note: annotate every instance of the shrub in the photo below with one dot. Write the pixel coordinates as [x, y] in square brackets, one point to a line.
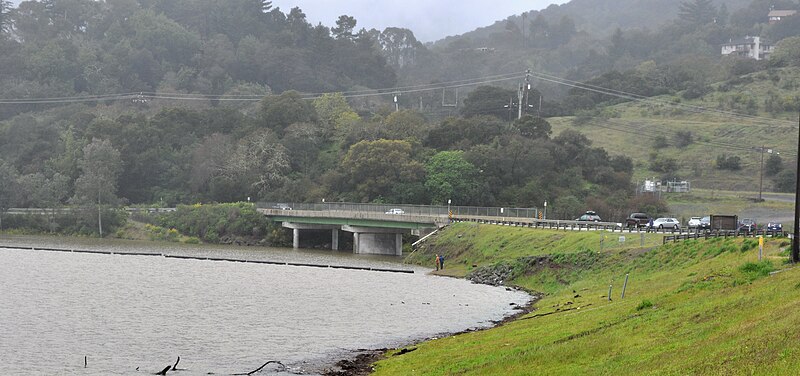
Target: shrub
[683, 138]
[748, 245]
[212, 222]
[644, 305]
[660, 142]
[753, 271]
[732, 163]
[192, 240]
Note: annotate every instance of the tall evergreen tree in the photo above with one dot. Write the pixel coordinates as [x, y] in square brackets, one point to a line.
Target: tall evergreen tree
[698, 12]
[5, 16]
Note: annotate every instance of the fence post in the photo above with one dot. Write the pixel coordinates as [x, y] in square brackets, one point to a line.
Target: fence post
[624, 286]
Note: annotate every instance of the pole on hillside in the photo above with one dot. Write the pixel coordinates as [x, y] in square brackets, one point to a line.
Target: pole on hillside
[795, 244]
[99, 215]
[625, 286]
[761, 175]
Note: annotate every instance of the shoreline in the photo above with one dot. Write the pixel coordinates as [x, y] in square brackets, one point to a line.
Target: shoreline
[361, 363]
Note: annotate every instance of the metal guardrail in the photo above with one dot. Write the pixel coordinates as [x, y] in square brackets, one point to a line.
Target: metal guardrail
[544, 224]
[428, 210]
[724, 234]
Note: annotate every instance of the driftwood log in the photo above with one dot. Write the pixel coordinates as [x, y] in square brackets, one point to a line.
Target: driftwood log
[259, 368]
[174, 367]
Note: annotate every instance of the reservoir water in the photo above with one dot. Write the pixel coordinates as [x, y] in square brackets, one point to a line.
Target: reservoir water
[129, 312]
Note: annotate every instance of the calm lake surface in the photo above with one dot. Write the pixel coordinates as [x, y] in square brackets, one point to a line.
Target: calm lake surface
[124, 312]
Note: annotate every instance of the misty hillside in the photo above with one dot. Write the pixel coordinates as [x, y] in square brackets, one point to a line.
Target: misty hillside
[182, 97]
[599, 17]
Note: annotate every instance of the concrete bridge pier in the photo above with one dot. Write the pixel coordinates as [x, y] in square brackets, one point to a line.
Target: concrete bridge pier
[376, 241]
[296, 227]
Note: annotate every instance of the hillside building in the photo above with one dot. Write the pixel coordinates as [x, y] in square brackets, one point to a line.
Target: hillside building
[752, 47]
[777, 15]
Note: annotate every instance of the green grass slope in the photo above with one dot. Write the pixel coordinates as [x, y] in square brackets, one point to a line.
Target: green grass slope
[631, 128]
[695, 307]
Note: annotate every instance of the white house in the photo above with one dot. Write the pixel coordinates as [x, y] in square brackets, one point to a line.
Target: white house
[777, 15]
[752, 47]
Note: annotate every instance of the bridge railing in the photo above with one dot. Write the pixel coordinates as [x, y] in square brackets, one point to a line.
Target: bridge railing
[430, 210]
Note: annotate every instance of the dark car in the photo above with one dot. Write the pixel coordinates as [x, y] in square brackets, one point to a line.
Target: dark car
[589, 216]
[637, 220]
[705, 223]
[747, 225]
[774, 226]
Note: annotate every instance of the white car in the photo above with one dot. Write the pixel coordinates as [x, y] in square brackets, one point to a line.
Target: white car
[662, 223]
[396, 211]
[693, 222]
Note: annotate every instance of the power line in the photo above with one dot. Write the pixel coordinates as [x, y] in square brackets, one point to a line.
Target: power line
[255, 98]
[641, 98]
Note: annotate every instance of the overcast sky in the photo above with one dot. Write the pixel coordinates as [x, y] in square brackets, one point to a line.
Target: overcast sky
[430, 20]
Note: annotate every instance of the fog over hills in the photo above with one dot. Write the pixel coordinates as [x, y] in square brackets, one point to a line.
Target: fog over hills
[429, 20]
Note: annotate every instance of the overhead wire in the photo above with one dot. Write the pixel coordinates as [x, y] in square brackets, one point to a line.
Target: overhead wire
[254, 98]
[641, 98]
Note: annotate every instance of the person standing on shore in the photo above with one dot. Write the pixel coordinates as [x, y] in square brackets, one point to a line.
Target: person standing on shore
[441, 261]
[437, 262]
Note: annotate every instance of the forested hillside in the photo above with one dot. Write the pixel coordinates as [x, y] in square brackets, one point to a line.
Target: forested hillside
[560, 41]
[168, 102]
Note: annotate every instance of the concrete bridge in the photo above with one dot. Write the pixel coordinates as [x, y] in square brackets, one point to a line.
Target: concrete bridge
[374, 232]
[378, 228]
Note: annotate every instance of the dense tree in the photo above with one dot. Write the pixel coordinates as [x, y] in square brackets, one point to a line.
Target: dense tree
[344, 27]
[39, 191]
[460, 133]
[281, 111]
[403, 125]
[490, 100]
[373, 168]
[787, 53]
[335, 115]
[451, 177]
[533, 127]
[209, 161]
[97, 184]
[698, 12]
[261, 161]
[400, 47]
[5, 17]
[100, 168]
[773, 165]
[786, 181]
[8, 188]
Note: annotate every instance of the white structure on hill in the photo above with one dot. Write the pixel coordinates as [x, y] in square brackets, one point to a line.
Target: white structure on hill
[752, 47]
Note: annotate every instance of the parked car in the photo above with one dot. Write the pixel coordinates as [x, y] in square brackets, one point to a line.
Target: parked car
[662, 223]
[774, 226]
[694, 222]
[705, 223]
[396, 211]
[637, 220]
[747, 225]
[589, 216]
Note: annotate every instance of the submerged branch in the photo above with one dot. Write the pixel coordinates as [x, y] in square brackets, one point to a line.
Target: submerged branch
[259, 368]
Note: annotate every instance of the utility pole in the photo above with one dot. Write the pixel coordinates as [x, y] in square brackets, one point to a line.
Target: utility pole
[522, 91]
[761, 175]
[99, 215]
[795, 244]
[539, 113]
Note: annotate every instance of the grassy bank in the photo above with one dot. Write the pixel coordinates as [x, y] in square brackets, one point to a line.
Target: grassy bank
[697, 307]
